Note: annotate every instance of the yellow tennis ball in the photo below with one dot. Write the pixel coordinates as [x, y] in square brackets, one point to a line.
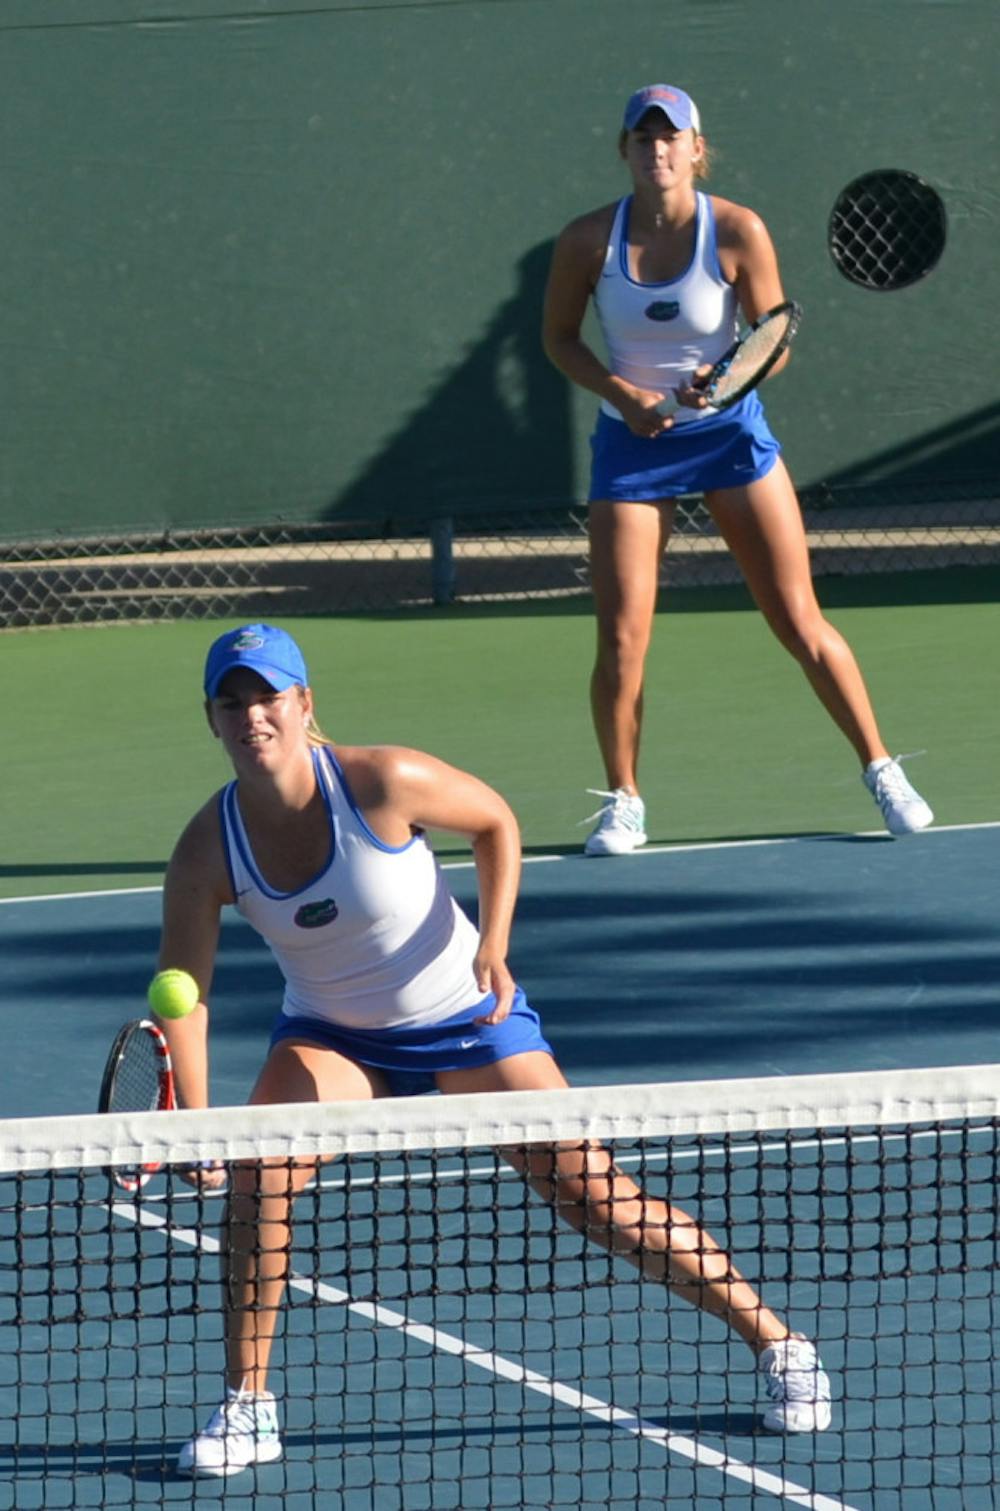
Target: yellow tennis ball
[173, 994]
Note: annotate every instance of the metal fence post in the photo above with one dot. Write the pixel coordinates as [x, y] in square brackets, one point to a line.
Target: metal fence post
[442, 535]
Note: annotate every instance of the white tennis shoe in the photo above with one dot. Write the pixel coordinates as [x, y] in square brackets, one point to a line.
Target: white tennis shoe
[621, 825]
[242, 1431]
[902, 807]
[797, 1386]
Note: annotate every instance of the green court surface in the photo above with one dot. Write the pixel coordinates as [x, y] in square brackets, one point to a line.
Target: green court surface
[109, 753]
[690, 962]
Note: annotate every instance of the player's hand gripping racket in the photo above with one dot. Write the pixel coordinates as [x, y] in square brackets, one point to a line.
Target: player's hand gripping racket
[747, 362]
[138, 1077]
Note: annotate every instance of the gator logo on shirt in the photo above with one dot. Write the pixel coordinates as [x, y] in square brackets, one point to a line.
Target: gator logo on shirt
[314, 915]
[662, 309]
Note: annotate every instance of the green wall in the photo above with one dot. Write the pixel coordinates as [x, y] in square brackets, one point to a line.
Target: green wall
[279, 259]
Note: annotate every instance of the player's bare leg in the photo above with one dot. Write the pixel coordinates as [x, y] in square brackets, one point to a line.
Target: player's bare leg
[627, 542]
[762, 526]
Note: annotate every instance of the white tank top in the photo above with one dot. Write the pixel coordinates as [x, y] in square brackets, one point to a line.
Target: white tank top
[376, 940]
[656, 334]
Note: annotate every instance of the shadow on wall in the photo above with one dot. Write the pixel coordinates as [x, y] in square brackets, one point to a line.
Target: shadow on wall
[955, 457]
[496, 435]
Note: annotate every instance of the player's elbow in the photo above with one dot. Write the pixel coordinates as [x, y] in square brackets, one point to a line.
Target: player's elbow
[781, 363]
[559, 346]
[500, 834]
[551, 343]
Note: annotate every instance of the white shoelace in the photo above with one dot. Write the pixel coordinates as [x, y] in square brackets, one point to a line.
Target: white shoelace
[237, 1415]
[793, 1374]
[890, 781]
[613, 806]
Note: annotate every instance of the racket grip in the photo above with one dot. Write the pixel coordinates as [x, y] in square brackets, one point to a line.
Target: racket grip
[668, 405]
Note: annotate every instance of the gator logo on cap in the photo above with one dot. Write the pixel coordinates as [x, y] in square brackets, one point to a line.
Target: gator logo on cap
[248, 641]
[662, 309]
[315, 915]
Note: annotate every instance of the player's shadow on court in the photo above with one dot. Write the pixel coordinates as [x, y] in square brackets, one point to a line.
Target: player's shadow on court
[301, 1448]
[716, 1424]
[155, 1461]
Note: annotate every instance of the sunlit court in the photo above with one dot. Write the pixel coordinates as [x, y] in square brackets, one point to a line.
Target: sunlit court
[499, 566]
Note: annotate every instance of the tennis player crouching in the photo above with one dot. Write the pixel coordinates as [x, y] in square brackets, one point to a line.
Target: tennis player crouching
[322, 848]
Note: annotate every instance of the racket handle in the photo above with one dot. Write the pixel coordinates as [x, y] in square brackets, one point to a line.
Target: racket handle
[668, 405]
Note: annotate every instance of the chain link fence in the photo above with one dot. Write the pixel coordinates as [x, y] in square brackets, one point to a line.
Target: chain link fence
[887, 230]
[288, 569]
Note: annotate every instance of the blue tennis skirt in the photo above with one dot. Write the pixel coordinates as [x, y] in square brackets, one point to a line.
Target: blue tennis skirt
[726, 450]
[410, 1057]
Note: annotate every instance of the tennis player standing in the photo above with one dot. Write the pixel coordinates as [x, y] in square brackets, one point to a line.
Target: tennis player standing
[669, 268]
[389, 989]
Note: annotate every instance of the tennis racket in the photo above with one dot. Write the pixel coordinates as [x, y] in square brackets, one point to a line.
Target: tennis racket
[747, 362]
[138, 1077]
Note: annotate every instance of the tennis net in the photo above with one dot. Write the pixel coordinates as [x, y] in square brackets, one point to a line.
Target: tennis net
[447, 1341]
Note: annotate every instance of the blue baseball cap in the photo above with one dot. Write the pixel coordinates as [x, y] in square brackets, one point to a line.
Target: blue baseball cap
[678, 107]
[270, 652]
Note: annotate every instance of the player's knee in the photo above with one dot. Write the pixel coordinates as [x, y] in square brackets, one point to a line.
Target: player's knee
[622, 642]
[802, 634]
[257, 1180]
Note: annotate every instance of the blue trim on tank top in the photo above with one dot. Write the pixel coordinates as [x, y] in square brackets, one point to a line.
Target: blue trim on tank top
[236, 829]
[703, 208]
[380, 844]
[224, 831]
[712, 240]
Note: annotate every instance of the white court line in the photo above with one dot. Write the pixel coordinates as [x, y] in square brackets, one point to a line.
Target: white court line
[546, 860]
[536, 860]
[507, 1369]
[750, 844]
[73, 896]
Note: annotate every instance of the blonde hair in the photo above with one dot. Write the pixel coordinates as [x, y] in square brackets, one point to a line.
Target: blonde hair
[315, 736]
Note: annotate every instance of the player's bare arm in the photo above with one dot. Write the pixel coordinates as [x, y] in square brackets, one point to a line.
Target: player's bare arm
[749, 262]
[577, 261]
[402, 790]
[196, 888]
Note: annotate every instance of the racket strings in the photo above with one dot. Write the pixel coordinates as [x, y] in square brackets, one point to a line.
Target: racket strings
[752, 356]
[138, 1083]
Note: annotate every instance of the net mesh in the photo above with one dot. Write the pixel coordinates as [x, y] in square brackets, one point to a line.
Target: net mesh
[447, 1340]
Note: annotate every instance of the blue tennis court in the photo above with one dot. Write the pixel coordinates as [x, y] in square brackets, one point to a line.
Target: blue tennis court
[776, 957]
[445, 1344]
